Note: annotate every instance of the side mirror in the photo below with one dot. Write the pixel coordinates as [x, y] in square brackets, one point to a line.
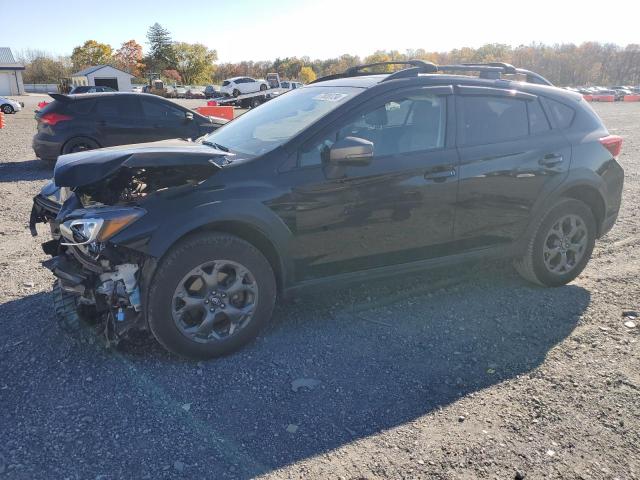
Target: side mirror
[188, 115]
[352, 151]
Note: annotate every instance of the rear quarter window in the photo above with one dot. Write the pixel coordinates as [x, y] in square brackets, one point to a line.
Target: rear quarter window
[561, 115]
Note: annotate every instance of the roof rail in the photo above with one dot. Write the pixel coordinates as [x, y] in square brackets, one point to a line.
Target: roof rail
[418, 66]
[491, 70]
[494, 70]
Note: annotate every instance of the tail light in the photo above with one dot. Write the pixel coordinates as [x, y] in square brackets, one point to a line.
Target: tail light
[613, 143]
[53, 118]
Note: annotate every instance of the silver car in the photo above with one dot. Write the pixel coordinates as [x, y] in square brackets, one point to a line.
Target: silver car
[10, 106]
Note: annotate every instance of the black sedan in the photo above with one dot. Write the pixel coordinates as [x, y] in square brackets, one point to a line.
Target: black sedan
[74, 123]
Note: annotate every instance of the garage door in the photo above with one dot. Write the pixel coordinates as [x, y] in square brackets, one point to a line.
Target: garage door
[5, 83]
[107, 82]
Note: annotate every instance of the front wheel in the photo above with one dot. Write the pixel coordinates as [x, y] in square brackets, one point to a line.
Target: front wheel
[263, 87]
[561, 245]
[211, 295]
[7, 109]
[236, 92]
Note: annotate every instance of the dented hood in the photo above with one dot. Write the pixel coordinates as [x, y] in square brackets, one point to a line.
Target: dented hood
[86, 168]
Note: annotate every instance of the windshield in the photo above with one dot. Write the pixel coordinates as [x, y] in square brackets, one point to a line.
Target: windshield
[261, 130]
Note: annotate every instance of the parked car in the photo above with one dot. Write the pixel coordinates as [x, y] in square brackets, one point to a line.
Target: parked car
[195, 92]
[621, 92]
[603, 94]
[74, 123]
[180, 91]
[8, 105]
[288, 85]
[89, 89]
[137, 88]
[351, 178]
[240, 85]
[210, 91]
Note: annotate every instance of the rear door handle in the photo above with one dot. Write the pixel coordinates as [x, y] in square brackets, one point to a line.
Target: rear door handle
[440, 175]
[551, 159]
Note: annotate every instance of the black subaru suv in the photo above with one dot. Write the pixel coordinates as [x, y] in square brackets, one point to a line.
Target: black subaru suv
[74, 123]
[355, 176]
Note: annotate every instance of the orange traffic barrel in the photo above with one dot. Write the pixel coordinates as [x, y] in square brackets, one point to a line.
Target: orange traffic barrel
[1, 120]
[631, 98]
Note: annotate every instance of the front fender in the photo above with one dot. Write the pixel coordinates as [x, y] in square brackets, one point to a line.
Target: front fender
[158, 233]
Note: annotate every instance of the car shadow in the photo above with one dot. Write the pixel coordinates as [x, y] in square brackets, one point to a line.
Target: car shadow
[331, 368]
[25, 170]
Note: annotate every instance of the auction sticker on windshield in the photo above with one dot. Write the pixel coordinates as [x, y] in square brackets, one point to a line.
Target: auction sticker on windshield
[330, 97]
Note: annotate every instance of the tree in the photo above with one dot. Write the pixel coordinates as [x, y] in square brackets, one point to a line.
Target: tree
[307, 75]
[161, 52]
[172, 75]
[42, 67]
[129, 57]
[194, 62]
[91, 53]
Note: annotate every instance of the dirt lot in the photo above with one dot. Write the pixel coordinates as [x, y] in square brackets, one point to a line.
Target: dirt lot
[466, 374]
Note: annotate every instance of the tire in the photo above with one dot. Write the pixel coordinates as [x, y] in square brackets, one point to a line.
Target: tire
[546, 269]
[72, 317]
[79, 144]
[6, 108]
[263, 87]
[195, 252]
[255, 102]
[236, 92]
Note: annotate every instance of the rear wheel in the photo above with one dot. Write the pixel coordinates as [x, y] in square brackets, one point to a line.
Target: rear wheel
[263, 87]
[7, 109]
[79, 144]
[211, 295]
[561, 246]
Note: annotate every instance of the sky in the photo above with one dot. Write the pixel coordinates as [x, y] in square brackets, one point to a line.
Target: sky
[264, 30]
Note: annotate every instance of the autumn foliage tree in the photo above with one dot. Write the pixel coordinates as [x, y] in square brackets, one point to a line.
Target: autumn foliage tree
[194, 62]
[91, 53]
[307, 75]
[129, 58]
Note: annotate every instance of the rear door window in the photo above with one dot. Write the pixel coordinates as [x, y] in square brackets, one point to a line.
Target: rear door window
[492, 119]
[538, 122]
[117, 106]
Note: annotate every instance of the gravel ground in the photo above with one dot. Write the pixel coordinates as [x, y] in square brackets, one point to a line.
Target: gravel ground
[450, 375]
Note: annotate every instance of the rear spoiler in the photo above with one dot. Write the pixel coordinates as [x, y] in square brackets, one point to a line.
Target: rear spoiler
[61, 97]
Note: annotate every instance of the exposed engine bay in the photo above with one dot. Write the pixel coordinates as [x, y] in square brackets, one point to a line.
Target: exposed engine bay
[97, 277]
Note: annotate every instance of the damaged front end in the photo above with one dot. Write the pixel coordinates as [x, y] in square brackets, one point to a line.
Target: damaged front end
[89, 208]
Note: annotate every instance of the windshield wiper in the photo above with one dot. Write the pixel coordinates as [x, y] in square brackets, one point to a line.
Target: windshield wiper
[215, 145]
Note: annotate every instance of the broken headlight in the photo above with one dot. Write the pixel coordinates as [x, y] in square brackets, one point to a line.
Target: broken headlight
[98, 226]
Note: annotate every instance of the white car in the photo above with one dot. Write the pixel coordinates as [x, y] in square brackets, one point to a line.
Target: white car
[291, 85]
[240, 85]
[10, 106]
[136, 89]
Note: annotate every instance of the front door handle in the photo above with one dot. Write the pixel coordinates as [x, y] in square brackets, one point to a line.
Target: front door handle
[551, 159]
[440, 175]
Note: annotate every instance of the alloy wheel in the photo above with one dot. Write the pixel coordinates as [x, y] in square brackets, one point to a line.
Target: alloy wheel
[214, 301]
[565, 244]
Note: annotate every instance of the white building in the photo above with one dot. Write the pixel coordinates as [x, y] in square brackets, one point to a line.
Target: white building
[10, 74]
[103, 76]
